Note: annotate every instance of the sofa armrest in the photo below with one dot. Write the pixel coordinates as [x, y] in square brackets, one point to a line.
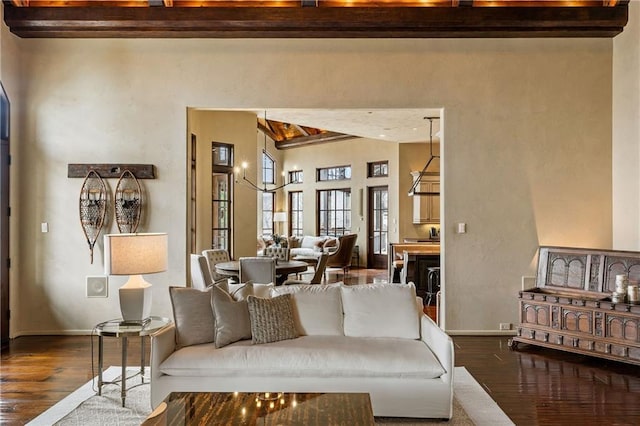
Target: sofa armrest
[163, 344]
[440, 344]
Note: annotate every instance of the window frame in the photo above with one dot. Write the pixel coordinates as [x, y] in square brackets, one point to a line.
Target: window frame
[267, 214]
[379, 165]
[296, 210]
[333, 173]
[332, 214]
[268, 165]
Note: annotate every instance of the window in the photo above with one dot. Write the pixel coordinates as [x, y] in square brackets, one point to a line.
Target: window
[378, 169]
[295, 213]
[296, 176]
[268, 169]
[221, 175]
[222, 155]
[268, 202]
[334, 212]
[334, 173]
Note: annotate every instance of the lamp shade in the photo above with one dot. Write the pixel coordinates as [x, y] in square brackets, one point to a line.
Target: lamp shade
[134, 254]
[280, 217]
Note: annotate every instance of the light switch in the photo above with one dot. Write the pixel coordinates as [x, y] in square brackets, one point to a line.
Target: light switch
[462, 228]
[44, 227]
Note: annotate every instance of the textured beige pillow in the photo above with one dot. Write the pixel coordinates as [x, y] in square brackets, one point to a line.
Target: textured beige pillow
[192, 315]
[232, 321]
[271, 319]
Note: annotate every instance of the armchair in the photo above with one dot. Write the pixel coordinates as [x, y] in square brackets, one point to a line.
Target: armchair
[341, 259]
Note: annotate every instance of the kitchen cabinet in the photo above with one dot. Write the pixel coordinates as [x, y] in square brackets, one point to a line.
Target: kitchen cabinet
[426, 208]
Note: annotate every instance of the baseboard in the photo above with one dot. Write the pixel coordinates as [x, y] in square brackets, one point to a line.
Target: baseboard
[53, 333]
[481, 332]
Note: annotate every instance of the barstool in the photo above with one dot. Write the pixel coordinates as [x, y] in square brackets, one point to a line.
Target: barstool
[433, 282]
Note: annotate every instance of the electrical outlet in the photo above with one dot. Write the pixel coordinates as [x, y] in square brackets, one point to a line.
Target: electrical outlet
[505, 326]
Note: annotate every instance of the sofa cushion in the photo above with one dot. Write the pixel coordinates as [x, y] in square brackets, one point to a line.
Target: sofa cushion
[271, 319]
[240, 291]
[317, 308]
[231, 318]
[308, 357]
[310, 242]
[192, 315]
[381, 310]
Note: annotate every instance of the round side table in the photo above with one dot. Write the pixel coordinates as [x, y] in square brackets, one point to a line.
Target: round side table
[123, 330]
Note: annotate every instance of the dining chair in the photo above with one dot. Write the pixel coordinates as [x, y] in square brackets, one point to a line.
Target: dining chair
[280, 253]
[200, 275]
[215, 256]
[318, 275]
[258, 269]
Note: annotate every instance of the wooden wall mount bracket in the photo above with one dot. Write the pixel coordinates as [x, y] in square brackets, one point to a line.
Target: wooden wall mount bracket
[139, 171]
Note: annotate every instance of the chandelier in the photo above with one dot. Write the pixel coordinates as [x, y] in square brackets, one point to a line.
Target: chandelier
[414, 188]
[245, 165]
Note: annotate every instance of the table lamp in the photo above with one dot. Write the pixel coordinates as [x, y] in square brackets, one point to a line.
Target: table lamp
[280, 217]
[134, 255]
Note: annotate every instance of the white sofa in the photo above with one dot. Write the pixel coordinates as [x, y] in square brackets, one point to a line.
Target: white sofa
[369, 338]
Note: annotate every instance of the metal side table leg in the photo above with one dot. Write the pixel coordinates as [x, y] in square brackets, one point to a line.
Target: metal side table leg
[123, 382]
[100, 362]
[142, 359]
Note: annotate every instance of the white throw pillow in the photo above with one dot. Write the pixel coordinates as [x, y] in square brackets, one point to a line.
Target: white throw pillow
[317, 308]
[381, 310]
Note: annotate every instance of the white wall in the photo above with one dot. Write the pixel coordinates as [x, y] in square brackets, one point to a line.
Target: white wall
[626, 134]
[527, 156]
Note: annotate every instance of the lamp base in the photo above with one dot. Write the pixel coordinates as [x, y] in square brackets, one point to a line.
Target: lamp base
[135, 303]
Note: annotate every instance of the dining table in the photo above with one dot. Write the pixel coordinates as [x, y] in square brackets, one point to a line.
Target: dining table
[283, 268]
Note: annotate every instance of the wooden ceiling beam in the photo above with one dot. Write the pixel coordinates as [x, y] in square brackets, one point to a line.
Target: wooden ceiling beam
[313, 140]
[315, 22]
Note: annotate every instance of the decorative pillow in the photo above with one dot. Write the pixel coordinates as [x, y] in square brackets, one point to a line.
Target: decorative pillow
[317, 246]
[271, 319]
[231, 318]
[192, 315]
[330, 242]
[381, 310]
[317, 309]
[293, 242]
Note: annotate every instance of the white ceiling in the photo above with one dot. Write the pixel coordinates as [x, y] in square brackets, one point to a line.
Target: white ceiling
[397, 125]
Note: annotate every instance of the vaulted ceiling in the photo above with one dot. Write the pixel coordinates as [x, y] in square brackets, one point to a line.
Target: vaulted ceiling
[314, 18]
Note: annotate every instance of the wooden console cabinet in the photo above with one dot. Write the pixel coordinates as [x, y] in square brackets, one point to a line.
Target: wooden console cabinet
[570, 308]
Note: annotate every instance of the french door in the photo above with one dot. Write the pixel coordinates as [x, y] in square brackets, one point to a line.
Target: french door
[378, 228]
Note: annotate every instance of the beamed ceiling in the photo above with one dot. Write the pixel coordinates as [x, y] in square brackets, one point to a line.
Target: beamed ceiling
[314, 18]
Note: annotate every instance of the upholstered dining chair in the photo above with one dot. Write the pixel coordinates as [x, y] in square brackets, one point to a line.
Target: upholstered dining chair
[258, 269]
[215, 256]
[200, 275]
[317, 276]
[280, 253]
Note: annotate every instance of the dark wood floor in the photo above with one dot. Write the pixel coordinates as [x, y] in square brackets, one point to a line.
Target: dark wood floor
[532, 385]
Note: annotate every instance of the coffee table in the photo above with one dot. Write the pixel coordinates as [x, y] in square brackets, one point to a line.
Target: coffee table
[250, 408]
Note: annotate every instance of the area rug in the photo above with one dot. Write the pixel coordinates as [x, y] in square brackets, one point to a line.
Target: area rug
[471, 405]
